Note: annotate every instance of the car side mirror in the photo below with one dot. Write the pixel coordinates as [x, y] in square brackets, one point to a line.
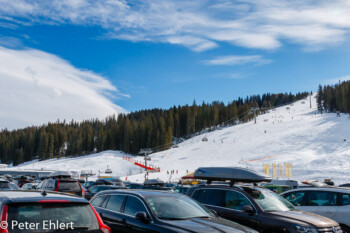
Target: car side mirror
[248, 209]
[142, 216]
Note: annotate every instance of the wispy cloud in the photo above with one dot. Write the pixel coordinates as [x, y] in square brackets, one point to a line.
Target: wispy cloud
[336, 80]
[238, 60]
[37, 87]
[197, 24]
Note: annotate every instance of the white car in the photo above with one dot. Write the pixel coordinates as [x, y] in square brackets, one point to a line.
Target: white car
[331, 202]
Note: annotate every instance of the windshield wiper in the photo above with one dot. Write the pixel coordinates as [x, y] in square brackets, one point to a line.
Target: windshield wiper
[164, 218]
[203, 217]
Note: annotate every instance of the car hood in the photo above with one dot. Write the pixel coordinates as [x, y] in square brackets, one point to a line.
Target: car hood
[211, 225]
[306, 217]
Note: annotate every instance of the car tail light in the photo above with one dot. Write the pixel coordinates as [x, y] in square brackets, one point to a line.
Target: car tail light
[82, 190]
[103, 227]
[3, 224]
[58, 184]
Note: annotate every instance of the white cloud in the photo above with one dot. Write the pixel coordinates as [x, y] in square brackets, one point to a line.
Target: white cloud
[238, 60]
[197, 24]
[37, 87]
[336, 80]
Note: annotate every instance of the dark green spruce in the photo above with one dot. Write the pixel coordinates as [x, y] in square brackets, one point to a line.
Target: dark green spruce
[155, 128]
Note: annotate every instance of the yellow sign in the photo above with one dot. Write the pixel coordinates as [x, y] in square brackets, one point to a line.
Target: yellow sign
[274, 170]
[288, 170]
[280, 169]
[267, 169]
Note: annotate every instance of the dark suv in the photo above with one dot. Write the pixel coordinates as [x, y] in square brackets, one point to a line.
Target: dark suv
[158, 211]
[256, 207]
[65, 185]
[35, 211]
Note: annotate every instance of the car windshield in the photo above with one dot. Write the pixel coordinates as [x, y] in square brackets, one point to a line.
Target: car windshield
[269, 201]
[177, 207]
[48, 217]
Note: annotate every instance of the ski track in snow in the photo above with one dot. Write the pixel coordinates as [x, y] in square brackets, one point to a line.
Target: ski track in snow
[318, 145]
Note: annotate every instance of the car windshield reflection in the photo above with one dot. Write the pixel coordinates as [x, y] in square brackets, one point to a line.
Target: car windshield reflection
[177, 208]
[269, 201]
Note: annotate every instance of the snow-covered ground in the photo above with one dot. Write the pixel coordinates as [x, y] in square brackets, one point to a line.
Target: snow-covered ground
[96, 162]
[318, 146]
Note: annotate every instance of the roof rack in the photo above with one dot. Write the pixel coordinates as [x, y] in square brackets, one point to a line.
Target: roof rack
[231, 174]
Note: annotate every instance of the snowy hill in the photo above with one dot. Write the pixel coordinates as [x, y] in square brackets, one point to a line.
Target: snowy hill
[95, 162]
[318, 146]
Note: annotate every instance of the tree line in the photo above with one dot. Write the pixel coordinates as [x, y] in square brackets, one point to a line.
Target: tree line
[333, 98]
[156, 128]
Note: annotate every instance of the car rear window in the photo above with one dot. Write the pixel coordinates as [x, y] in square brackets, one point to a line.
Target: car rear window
[4, 185]
[48, 217]
[68, 186]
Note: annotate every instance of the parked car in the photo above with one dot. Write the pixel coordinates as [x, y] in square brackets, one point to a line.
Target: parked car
[35, 211]
[5, 184]
[8, 177]
[66, 185]
[181, 189]
[253, 206]
[158, 211]
[23, 180]
[103, 182]
[332, 202]
[156, 184]
[345, 185]
[88, 184]
[131, 185]
[98, 188]
[117, 182]
[14, 186]
[30, 186]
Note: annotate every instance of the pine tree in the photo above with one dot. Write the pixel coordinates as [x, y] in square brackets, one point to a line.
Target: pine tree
[320, 99]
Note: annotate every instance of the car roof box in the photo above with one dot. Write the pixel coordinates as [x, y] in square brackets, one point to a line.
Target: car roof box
[60, 174]
[233, 174]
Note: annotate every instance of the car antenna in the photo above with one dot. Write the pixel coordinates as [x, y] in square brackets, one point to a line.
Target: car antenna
[43, 193]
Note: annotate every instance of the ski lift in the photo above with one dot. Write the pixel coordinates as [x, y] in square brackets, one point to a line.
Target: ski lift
[108, 171]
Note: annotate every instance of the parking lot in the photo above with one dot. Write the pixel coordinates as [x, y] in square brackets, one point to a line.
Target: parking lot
[224, 199]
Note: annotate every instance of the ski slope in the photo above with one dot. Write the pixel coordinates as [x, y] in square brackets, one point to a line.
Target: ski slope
[96, 162]
[318, 146]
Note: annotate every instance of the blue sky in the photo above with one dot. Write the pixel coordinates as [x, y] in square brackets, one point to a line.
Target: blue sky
[157, 54]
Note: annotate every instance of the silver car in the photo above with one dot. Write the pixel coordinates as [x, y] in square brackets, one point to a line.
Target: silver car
[331, 202]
